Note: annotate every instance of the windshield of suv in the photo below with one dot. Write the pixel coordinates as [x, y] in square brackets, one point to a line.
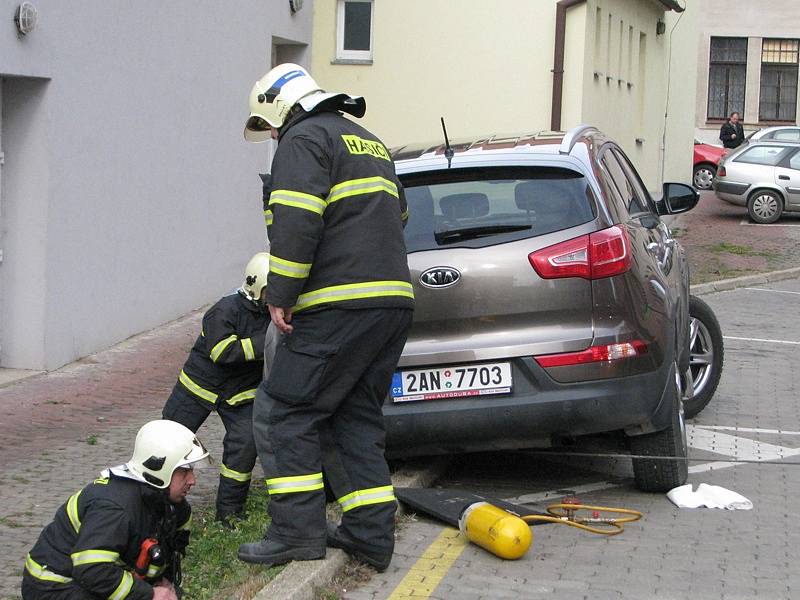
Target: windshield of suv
[484, 206]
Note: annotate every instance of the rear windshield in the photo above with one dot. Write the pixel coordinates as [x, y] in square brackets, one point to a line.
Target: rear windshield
[484, 206]
[763, 155]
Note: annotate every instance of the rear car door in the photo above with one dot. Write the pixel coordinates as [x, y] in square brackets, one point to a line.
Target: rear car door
[787, 176]
[652, 245]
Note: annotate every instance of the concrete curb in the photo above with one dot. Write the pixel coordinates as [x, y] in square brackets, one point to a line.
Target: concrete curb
[299, 579]
[739, 282]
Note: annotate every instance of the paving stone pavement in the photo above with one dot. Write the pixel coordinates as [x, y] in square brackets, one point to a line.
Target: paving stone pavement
[48, 420]
[672, 553]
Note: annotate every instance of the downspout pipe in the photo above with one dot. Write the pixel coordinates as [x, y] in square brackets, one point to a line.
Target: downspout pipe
[558, 60]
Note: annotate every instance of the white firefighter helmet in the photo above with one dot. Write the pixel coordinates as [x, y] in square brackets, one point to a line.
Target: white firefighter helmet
[274, 95]
[160, 448]
[255, 276]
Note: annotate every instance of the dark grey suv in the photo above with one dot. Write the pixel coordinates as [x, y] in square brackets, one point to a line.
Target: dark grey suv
[552, 301]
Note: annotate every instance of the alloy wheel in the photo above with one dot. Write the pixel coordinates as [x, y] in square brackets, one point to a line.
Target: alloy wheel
[701, 355]
[765, 206]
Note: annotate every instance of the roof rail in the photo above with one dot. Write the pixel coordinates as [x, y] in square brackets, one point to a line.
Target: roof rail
[572, 136]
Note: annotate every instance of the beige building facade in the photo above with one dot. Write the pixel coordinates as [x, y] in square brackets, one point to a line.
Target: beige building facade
[747, 61]
[519, 66]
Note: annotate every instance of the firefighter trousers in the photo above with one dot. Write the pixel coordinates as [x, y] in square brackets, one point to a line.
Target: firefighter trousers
[328, 382]
[238, 447]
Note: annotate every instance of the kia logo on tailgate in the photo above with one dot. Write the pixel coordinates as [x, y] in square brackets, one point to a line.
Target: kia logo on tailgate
[439, 277]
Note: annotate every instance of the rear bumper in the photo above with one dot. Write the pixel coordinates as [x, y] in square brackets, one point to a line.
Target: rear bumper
[539, 410]
[731, 191]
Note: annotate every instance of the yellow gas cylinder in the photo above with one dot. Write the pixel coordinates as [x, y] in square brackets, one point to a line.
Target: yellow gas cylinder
[498, 531]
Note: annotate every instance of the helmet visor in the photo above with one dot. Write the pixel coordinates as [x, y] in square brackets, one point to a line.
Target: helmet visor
[256, 129]
[197, 457]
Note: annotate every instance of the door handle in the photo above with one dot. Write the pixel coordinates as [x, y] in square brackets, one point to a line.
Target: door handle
[784, 177]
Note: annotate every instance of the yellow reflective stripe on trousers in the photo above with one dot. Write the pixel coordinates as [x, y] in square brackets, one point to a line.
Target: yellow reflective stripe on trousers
[235, 475]
[296, 483]
[367, 185]
[404, 215]
[196, 389]
[298, 200]
[124, 587]
[268, 217]
[247, 348]
[367, 496]
[72, 511]
[42, 573]
[354, 291]
[289, 268]
[242, 397]
[221, 345]
[88, 557]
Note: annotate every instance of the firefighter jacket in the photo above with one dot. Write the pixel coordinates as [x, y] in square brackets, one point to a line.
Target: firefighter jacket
[96, 536]
[225, 362]
[335, 219]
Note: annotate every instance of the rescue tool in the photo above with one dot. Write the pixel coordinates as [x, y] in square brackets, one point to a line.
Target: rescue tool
[503, 528]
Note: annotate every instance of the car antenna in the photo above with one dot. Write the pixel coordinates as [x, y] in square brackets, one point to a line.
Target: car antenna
[448, 150]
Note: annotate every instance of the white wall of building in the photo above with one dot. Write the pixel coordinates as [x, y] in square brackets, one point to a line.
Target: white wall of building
[128, 196]
[487, 68]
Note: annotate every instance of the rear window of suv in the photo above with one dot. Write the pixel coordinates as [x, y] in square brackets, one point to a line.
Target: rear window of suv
[484, 206]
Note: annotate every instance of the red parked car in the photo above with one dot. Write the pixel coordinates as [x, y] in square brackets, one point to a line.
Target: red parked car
[706, 159]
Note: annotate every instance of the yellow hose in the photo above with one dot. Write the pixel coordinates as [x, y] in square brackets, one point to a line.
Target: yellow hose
[566, 514]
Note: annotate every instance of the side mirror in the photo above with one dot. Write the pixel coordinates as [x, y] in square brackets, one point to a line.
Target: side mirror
[678, 198]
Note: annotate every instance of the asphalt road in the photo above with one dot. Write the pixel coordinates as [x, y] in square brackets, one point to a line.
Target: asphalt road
[672, 553]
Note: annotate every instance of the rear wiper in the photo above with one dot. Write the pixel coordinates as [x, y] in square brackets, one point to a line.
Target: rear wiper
[452, 235]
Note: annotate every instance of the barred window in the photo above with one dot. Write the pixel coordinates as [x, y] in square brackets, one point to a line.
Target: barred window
[726, 76]
[779, 64]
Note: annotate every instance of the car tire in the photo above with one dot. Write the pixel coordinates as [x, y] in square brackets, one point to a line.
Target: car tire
[706, 357]
[703, 176]
[669, 467]
[764, 206]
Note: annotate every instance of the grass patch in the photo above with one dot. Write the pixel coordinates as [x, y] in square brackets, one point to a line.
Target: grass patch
[91, 439]
[211, 570]
[725, 247]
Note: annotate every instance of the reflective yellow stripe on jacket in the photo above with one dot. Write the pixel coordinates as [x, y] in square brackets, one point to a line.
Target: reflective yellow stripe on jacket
[235, 475]
[88, 557]
[367, 496]
[242, 397]
[72, 511]
[367, 185]
[296, 483]
[219, 348]
[247, 348]
[268, 217]
[354, 291]
[196, 389]
[298, 200]
[42, 573]
[288, 268]
[124, 587]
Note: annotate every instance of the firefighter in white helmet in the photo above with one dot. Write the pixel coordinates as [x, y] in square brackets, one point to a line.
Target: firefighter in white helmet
[123, 535]
[340, 291]
[222, 373]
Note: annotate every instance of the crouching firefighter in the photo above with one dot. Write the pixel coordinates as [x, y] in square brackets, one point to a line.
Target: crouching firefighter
[123, 535]
[222, 373]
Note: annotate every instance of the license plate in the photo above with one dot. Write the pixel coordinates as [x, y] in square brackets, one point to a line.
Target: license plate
[452, 382]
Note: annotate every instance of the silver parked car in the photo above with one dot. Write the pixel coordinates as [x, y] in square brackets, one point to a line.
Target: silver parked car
[552, 301]
[764, 177]
[778, 133]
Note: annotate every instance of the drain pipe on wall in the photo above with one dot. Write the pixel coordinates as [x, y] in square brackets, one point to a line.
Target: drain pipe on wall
[558, 60]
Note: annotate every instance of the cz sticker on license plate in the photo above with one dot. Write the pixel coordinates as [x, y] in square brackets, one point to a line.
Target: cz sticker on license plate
[452, 382]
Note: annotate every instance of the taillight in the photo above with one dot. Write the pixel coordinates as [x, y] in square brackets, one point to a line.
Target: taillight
[601, 254]
[721, 171]
[594, 354]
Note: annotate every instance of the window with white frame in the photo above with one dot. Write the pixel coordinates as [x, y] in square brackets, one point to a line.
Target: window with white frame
[354, 30]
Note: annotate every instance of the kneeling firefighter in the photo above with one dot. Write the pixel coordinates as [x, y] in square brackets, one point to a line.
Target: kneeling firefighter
[122, 536]
[222, 373]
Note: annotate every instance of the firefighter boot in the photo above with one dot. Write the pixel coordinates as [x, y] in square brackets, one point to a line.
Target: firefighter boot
[376, 559]
[271, 552]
